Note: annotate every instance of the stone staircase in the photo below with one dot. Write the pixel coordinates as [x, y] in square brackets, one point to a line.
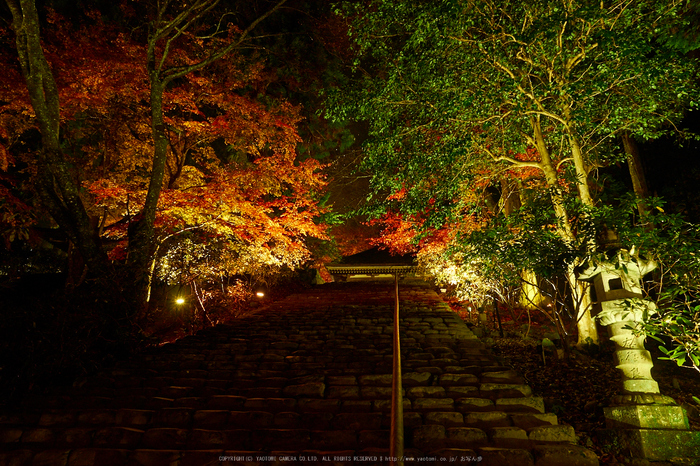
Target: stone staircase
[304, 381]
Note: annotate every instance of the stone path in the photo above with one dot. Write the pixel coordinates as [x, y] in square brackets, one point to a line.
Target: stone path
[305, 381]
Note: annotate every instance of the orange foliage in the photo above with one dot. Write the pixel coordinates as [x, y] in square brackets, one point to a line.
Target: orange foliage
[398, 233]
[353, 238]
[232, 170]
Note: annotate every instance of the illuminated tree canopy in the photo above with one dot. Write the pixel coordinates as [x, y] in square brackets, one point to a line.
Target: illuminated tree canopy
[452, 87]
[463, 96]
[154, 134]
[162, 139]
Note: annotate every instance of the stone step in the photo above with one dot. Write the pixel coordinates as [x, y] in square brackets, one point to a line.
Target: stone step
[308, 376]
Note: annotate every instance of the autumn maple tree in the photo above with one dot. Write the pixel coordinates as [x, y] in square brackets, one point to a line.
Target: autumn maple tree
[164, 137]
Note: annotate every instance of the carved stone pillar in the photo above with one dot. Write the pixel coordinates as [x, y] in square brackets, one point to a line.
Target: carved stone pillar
[621, 317]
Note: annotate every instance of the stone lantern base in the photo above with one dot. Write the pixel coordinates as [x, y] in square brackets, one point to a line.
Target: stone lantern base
[648, 426]
[653, 444]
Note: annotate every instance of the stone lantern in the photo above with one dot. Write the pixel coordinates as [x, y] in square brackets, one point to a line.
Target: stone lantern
[620, 307]
[640, 421]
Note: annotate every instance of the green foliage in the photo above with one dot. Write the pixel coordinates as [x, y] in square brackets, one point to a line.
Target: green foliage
[463, 95]
[451, 89]
[528, 238]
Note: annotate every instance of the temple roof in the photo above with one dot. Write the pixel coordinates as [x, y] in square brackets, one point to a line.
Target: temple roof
[376, 256]
[374, 262]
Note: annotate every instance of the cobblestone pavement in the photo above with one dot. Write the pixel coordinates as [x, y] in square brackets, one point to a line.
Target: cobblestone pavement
[306, 380]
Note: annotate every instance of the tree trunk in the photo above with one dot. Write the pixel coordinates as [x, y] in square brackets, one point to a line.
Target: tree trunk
[634, 163]
[530, 295]
[587, 330]
[142, 241]
[58, 190]
[550, 174]
[581, 297]
[584, 192]
[510, 196]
